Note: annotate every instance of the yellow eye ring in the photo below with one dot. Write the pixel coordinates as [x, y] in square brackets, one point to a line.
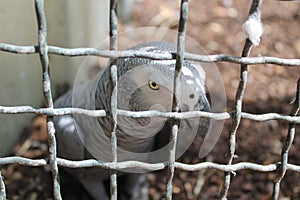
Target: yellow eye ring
[153, 85]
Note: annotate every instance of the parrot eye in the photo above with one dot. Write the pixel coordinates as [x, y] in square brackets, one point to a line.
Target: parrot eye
[192, 96]
[153, 85]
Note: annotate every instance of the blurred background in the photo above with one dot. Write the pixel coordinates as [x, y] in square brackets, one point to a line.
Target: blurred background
[217, 26]
[70, 24]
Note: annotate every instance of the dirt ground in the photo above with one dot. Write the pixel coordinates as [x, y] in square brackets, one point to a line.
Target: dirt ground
[217, 26]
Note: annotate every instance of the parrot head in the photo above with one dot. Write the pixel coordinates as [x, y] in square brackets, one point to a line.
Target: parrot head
[146, 84]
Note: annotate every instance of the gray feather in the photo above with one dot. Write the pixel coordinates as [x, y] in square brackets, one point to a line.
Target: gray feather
[73, 137]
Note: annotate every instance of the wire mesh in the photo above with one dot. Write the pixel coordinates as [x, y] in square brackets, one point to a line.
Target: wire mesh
[230, 168]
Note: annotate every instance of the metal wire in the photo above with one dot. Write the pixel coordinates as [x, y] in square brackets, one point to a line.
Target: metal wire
[158, 56]
[2, 188]
[238, 105]
[151, 113]
[237, 115]
[287, 145]
[43, 52]
[148, 166]
[113, 33]
[176, 96]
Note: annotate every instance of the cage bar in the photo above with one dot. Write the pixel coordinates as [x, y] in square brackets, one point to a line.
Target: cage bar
[287, 145]
[238, 105]
[113, 33]
[176, 95]
[17, 49]
[43, 52]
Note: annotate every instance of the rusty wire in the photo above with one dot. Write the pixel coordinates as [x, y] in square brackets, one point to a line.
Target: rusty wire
[43, 50]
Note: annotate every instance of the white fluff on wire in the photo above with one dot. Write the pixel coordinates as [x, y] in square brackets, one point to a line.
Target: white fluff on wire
[253, 28]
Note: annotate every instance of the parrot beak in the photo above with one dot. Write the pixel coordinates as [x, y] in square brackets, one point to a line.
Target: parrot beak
[205, 103]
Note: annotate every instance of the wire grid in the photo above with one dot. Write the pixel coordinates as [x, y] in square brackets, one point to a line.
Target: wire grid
[43, 50]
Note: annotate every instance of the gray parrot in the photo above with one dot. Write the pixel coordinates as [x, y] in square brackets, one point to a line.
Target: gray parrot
[143, 84]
